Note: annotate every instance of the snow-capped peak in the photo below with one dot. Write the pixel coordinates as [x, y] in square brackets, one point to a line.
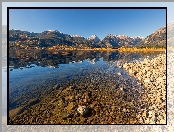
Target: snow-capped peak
[94, 37]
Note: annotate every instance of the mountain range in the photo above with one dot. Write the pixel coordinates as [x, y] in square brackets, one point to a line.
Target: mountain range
[121, 40]
[51, 38]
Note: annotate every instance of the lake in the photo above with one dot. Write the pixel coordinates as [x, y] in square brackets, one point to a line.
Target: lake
[38, 74]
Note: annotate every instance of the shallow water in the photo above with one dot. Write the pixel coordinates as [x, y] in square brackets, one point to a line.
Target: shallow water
[34, 73]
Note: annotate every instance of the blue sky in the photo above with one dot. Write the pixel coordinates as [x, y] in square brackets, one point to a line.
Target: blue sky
[131, 23]
[85, 22]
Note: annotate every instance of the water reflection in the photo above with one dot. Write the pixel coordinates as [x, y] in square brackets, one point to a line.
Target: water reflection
[32, 58]
[32, 71]
[36, 75]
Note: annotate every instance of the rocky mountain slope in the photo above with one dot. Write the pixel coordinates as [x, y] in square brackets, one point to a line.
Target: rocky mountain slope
[170, 34]
[156, 39]
[4, 45]
[4, 31]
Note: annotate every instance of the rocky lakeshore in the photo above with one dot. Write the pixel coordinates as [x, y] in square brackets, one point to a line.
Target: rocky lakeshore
[91, 98]
[103, 98]
[152, 74]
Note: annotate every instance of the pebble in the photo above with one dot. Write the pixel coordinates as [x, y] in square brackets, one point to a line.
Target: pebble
[83, 110]
[70, 106]
[65, 115]
[119, 73]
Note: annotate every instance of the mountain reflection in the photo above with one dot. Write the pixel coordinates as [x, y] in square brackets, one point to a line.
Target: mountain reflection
[32, 58]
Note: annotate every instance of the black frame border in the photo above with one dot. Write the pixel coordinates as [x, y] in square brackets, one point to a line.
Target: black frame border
[8, 8]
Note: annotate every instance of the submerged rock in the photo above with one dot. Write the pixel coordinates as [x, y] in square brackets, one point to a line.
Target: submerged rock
[119, 73]
[65, 115]
[71, 106]
[83, 110]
